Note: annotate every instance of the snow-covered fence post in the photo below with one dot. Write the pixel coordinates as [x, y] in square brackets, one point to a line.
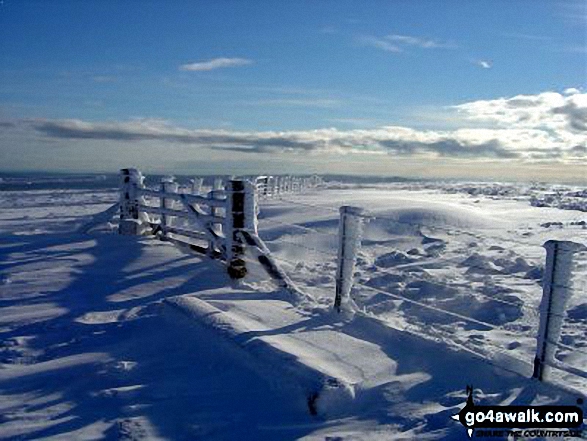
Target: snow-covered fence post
[196, 185]
[241, 216]
[556, 291]
[213, 195]
[266, 189]
[276, 186]
[130, 181]
[349, 242]
[217, 188]
[167, 185]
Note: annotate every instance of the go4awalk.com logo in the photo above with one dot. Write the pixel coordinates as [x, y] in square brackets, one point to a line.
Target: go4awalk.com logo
[526, 421]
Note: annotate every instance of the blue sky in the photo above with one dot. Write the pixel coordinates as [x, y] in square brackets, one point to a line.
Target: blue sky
[423, 88]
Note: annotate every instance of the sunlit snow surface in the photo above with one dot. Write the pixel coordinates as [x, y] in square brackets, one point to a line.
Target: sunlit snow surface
[85, 353]
[481, 257]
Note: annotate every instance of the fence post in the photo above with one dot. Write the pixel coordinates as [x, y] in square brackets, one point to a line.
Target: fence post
[167, 185]
[196, 185]
[556, 291]
[265, 186]
[251, 208]
[276, 185]
[130, 180]
[214, 211]
[236, 221]
[349, 242]
[218, 186]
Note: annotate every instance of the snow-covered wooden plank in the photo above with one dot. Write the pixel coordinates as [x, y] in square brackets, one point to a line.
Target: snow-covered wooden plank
[218, 201]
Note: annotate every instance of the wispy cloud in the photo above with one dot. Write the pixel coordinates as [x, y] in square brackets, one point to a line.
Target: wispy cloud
[357, 122]
[574, 12]
[216, 63]
[575, 49]
[399, 43]
[522, 36]
[310, 102]
[330, 30]
[379, 43]
[420, 42]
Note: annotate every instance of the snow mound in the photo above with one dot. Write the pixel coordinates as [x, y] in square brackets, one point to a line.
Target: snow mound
[437, 215]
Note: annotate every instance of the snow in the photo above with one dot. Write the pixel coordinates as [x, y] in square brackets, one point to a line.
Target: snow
[120, 337]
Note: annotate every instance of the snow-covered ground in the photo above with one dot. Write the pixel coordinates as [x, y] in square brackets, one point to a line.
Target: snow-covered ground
[481, 257]
[87, 350]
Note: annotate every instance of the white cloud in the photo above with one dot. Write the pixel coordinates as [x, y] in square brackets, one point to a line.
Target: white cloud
[533, 122]
[571, 91]
[216, 63]
[484, 64]
[547, 110]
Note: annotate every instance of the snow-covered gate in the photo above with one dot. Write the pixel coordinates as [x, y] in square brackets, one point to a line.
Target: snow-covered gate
[221, 223]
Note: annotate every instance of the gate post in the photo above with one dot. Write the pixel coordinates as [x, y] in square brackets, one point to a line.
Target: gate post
[235, 223]
[349, 242]
[130, 181]
[556, 291]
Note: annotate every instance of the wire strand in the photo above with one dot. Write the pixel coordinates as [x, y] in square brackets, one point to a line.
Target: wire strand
[433, 308]
[567, 347]
[511, 276]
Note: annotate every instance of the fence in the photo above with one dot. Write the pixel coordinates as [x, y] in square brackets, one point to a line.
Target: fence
[274, 186]
[328, 250]
[497, 309]
[559, 283]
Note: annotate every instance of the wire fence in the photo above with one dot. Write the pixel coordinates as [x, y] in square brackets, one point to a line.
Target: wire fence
[475, 288]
